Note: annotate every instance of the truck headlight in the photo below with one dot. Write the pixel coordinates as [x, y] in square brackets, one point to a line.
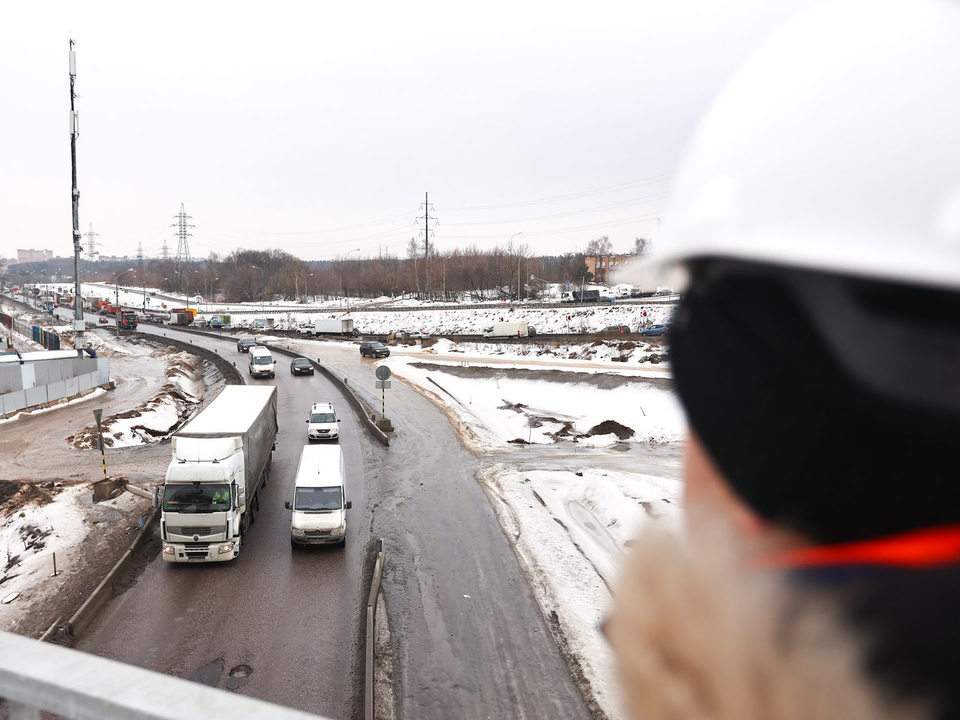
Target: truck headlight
[296, 531]
[169, 550]
[226, 547]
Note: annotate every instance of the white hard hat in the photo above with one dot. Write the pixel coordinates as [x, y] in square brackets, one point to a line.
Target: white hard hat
[836, 148]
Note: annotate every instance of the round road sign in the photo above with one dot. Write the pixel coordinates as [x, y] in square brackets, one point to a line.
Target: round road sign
[383, 372]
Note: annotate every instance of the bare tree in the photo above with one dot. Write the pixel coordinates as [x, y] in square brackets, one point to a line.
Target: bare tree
[599, 247]
[641, 246]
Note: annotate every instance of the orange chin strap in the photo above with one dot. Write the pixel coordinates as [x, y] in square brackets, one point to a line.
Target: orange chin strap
[917, 549]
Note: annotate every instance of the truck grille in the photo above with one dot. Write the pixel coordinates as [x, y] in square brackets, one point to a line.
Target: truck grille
[188, 531]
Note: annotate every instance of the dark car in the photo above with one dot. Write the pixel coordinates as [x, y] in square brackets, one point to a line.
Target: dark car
[374, 349]
[244, 344]
[531, 331]
[655, 330]
[301, 366]
[621, 329]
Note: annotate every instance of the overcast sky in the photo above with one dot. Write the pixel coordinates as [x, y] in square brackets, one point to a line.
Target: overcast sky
[317, 127]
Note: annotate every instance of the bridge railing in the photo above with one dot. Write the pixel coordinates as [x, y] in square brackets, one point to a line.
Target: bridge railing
[37, 677]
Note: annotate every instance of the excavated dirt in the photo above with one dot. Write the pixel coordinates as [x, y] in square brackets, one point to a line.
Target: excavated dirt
[604, 381]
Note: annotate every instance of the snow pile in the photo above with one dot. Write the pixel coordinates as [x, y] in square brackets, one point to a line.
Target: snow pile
[504, 406]
[570, 530]
[155, 419]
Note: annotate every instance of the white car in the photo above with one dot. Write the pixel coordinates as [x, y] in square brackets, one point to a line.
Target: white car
[322, 423]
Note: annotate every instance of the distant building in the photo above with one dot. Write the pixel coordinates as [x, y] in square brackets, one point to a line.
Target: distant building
[31, 255]
[602, 267]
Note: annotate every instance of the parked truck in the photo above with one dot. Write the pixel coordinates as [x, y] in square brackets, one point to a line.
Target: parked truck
[328, 326]
[221, 460]
[179, 317]
[507, 329]
[583, 296]
[192, 312]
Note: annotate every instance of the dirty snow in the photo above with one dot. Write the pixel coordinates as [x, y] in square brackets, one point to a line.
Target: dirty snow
[507, 407]
[31, 533]
[570, 531]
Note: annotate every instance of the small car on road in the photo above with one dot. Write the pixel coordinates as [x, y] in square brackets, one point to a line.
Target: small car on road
[244, 344]
[374, 349]
[322, 423]
[654, 330]
[301, 366]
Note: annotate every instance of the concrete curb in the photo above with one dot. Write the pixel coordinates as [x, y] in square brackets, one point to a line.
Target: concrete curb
[94, 603]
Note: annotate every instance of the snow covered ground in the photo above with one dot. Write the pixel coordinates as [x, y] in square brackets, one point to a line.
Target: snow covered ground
[570, 529]
[37, 522]
[502, 406]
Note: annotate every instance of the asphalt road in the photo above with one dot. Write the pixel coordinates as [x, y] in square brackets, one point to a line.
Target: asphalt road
[467, 633]
[286, 621]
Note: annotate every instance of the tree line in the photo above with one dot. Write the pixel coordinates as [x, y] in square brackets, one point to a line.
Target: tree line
[469, 273]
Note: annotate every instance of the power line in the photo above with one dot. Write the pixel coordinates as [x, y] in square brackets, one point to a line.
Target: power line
[586, 211]
[556, 198]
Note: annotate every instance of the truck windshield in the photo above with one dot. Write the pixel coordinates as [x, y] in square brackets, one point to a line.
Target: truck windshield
[322, 418]
[263, 360]
[318, 498]
[206, 498]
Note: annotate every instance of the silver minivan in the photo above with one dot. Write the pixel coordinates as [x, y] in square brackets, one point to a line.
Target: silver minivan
[261, 362]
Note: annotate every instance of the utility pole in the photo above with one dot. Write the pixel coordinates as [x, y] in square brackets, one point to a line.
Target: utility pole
[140, 255]
[183, 248]
[426, 206]
[78, 324]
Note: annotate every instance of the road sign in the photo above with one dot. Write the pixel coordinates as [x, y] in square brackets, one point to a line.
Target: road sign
[383, 384]
[97, 414]
[383, 373]
[147, 300]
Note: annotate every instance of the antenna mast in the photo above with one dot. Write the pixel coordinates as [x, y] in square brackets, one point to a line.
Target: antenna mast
[78, 324]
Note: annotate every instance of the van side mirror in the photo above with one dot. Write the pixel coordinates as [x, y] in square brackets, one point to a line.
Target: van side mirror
[287, 504]
[338, 419]
[348, 505]
[306, 421]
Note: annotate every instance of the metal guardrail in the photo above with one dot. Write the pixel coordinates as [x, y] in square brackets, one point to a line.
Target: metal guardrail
[40, 677]
[369, 669]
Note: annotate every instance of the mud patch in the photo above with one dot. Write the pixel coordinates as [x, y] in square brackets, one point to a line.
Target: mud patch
[15, 495]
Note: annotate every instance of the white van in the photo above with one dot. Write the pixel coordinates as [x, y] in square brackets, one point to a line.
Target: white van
[261, 362]
[319, 508]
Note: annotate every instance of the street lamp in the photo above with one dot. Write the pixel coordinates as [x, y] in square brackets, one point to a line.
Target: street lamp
[116, 291]
[306, 280]
[518, 264]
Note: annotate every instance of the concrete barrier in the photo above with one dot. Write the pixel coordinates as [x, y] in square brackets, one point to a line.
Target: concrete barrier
[82, 618]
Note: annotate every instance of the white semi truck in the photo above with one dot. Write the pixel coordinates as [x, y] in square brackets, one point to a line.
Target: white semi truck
[221, 460]
[507, 329]
[329, 326]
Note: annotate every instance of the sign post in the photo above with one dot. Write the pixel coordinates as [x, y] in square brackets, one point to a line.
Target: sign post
[98, 415]
[383, 384]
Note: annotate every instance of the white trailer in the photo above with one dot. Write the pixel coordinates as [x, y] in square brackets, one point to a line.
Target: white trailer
[507, 329]
[221, 460]
[329, 326]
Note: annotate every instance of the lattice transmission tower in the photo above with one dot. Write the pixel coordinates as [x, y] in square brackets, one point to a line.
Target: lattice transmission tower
[183, 226]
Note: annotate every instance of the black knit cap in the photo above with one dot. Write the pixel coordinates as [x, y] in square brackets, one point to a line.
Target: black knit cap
[799, 440]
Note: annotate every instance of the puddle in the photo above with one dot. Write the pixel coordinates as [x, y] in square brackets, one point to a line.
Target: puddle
[238, 676]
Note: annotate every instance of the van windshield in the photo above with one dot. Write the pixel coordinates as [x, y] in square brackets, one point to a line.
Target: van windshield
[318, 498]
[322, 418]
[262, 359]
